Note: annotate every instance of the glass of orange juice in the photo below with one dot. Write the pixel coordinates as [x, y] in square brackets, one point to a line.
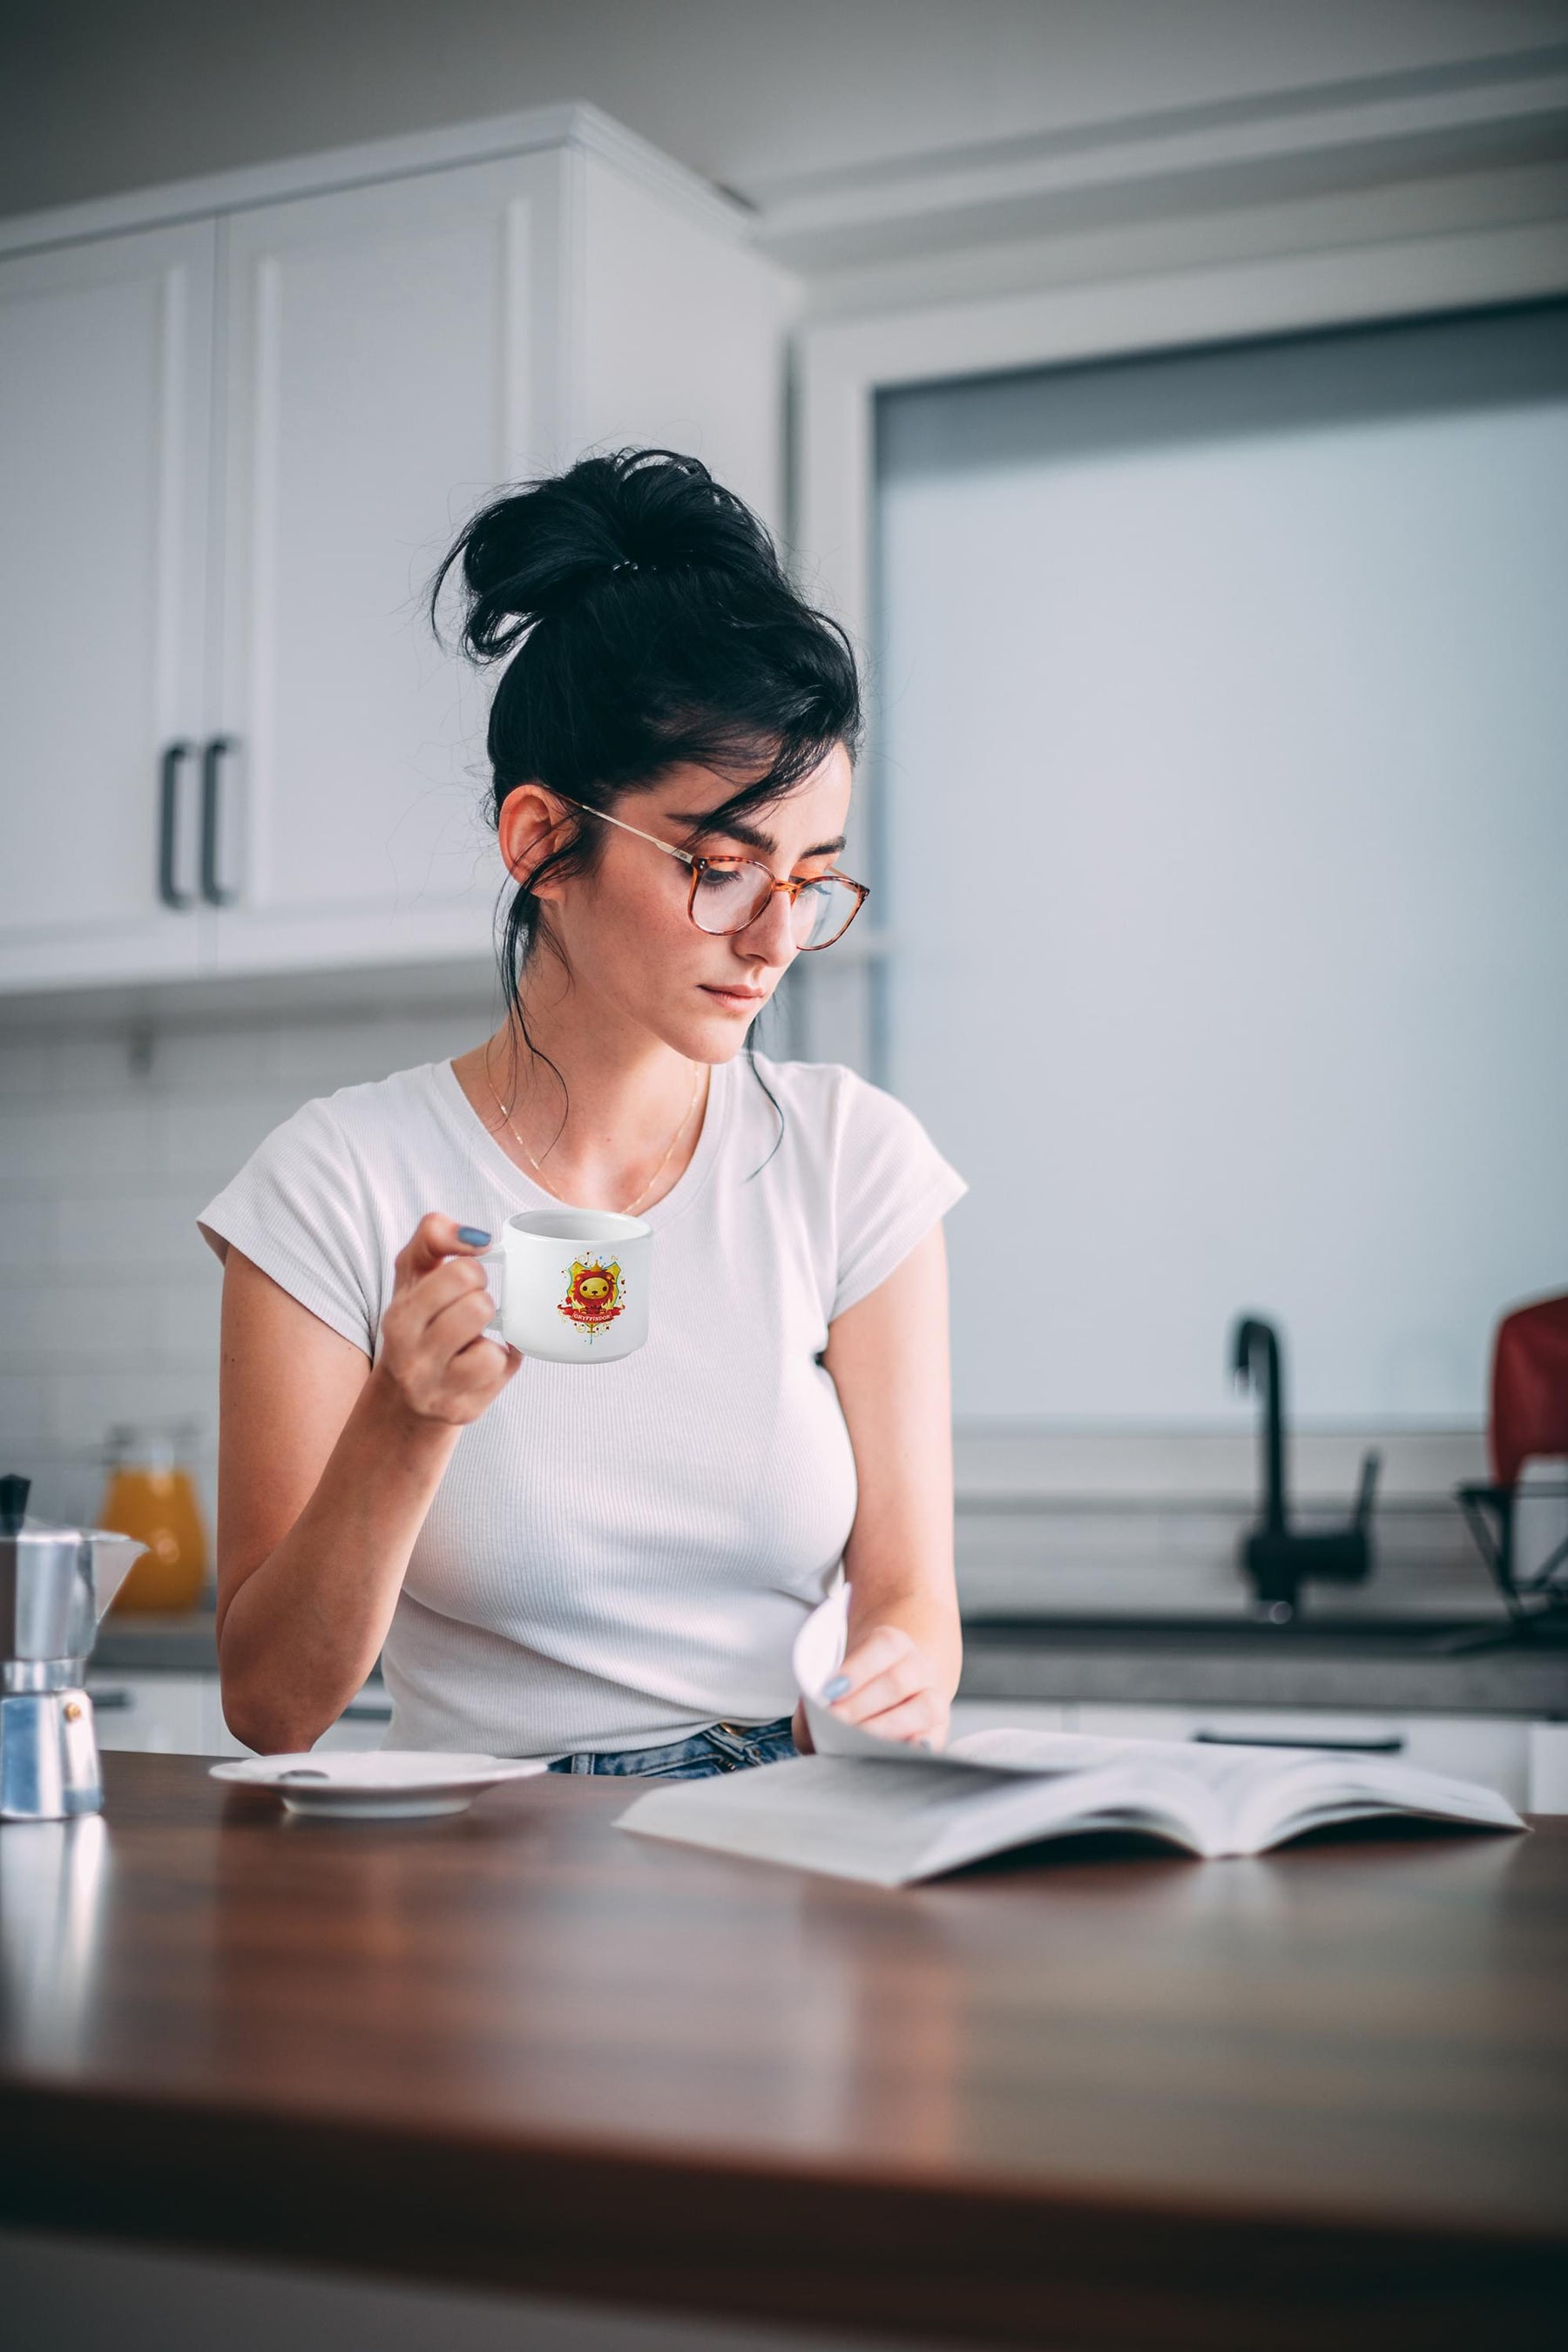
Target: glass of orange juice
[152, 1496]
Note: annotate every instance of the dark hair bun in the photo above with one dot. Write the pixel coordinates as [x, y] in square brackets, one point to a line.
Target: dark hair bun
[539, 550]
[654, 627]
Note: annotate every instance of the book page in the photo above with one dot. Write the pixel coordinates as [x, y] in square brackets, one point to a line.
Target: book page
[876, 1822]
[1318, 1790]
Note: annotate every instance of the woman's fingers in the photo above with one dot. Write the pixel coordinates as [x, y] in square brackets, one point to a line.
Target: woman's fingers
[434, 1238]
[451, 1333]
[921, 1717]
[480, 1371]
[455, 1387]
[414, 1310]
[888, 1686]
[873, 1652]
[434, 1350]
[451, 1313]
[880, 1672]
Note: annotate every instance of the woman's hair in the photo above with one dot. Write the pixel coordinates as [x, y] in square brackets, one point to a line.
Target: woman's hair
[646, 623]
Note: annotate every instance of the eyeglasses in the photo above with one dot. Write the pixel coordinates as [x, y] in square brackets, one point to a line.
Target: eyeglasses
[729, 893]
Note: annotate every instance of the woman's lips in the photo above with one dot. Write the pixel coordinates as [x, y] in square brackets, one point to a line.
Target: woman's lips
[743, 1000]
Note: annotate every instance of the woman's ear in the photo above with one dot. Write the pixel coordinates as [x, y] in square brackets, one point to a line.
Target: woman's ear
[526, 825]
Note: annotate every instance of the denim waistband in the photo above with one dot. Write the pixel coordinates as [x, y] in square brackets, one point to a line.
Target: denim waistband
[720, 1747]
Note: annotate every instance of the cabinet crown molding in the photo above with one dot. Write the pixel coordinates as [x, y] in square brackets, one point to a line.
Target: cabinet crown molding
[1480, 114]
[582, 127]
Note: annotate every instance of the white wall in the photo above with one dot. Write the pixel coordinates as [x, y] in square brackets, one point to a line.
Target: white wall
[96, 97]
[1232, 686]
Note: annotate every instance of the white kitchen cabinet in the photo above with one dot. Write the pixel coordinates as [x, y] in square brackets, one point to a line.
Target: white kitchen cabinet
[162, 1713]
[356, 359]
[384, 374]
[169, 1713]
[105, 360]
[1549, 1768]
[362, 1725]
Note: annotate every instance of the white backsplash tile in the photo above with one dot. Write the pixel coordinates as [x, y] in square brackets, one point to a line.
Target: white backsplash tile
[127, 1237]
[24, 1434]
[318, 1058]
[205, 1139]
[211, 1062]
[27, 1237]
[93, 1142]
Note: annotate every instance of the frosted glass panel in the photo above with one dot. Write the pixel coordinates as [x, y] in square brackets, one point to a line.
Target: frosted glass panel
[1224, 837]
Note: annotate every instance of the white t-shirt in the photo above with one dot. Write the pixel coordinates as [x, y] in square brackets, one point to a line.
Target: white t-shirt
[617, 1554]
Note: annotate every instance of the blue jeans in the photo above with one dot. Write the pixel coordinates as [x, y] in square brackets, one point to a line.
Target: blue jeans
[723, 1747]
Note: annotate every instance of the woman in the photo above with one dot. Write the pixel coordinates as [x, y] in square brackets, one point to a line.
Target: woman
[606, 1567]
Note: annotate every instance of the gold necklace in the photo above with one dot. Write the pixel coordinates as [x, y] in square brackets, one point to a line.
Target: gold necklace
[652, 1180]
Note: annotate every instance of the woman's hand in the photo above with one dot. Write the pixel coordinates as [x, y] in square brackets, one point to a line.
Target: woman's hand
[890, 1687]
[434, 1357]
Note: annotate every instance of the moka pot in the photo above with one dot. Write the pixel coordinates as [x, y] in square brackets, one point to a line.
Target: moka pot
[54, 1585]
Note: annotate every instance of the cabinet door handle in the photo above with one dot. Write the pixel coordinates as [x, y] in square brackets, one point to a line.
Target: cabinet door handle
[1375, 1744]
[110, 1699]
[169, 889]
[212, 890]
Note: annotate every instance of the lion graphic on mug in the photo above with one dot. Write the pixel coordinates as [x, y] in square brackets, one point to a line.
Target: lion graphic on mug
[592, 1293]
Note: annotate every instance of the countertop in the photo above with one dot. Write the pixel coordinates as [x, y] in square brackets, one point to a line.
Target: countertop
[157, 1642]
[1395, 1666]
[1090, 2096]
[1392, 1666]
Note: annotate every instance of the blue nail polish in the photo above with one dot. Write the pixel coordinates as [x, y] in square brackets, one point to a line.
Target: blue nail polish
[475, 1236]
[836, 1687]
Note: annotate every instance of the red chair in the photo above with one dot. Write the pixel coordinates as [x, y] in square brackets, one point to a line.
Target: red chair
[1529, 1417]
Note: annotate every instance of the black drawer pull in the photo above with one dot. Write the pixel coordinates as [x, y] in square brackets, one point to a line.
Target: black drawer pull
[1391, 1744]
[212, 890]
[169, 889]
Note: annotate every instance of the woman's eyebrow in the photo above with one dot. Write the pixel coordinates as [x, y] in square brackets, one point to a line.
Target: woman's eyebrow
[749, 835]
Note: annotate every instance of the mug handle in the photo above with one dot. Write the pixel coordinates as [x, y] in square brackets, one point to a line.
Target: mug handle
[494, 1263]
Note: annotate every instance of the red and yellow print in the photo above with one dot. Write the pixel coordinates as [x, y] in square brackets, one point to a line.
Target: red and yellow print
[592, 1293]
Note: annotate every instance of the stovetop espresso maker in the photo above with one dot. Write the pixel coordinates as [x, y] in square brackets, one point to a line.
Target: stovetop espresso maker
[54, 1585]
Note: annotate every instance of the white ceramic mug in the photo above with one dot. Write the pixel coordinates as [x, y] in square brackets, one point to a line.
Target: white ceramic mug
[571, 1283]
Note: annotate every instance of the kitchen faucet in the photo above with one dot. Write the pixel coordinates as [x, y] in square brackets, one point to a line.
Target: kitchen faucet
[1277, 1559]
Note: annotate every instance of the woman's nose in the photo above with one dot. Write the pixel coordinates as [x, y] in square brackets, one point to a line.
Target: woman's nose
[770, 934]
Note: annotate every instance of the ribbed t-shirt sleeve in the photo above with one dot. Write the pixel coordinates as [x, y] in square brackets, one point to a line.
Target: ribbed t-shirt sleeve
[297, 1208]
[893, 1185]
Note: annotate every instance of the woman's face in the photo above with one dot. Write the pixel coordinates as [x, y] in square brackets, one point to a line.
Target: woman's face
[624, 930]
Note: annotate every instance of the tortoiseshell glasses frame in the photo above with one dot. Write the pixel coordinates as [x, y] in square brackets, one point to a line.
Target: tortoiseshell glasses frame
[749, 896]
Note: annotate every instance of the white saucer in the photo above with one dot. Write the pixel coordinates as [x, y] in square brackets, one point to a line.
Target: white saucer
[385, 1784]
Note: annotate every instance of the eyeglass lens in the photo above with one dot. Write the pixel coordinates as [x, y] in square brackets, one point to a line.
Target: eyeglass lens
[730, 896]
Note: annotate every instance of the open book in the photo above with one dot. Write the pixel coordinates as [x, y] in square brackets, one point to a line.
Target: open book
[865, 1807]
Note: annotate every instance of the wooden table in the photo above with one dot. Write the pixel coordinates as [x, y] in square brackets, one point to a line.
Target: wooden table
[1099, 2099]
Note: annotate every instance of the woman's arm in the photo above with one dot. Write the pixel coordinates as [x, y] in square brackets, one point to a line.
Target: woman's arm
[889, 1357]
[326, 1470]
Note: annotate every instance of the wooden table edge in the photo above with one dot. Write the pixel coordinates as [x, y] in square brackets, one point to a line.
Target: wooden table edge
[759, 2241]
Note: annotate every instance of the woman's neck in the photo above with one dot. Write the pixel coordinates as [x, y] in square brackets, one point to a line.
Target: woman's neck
[631, 1116]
